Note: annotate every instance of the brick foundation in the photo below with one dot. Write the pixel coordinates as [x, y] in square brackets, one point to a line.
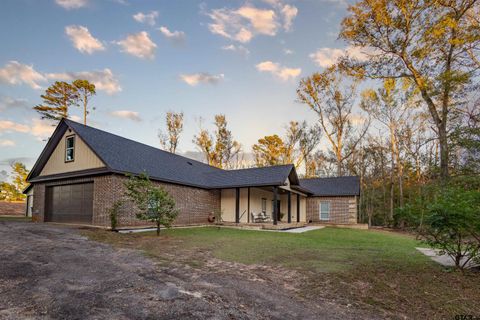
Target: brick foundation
[16, 208]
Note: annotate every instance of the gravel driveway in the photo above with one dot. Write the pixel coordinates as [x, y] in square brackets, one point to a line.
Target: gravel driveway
[51, 271]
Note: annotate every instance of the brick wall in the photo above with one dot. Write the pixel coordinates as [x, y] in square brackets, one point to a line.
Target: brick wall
[16, 208]
[343, 210]
[194, 204]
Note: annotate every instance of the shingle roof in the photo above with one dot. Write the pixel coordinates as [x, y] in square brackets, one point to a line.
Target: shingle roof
[335, 186]
[123, 155]
[267, 176]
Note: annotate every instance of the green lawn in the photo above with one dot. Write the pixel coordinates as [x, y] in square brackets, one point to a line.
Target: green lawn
[381, 271]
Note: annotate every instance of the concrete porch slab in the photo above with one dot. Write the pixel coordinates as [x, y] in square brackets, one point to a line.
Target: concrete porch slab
[303, 229]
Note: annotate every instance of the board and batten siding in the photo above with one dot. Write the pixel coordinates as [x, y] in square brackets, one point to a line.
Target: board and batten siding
[84, 159]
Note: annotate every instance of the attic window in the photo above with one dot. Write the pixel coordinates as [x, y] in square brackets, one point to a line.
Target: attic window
[70, 149]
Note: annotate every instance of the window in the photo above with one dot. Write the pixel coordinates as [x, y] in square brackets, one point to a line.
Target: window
[324, 210]
[264, 205]
[70, 149]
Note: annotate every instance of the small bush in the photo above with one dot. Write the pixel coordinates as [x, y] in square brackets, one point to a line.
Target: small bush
[113, 213]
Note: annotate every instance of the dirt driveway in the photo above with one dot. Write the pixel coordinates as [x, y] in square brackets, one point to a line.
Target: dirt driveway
[50, 271]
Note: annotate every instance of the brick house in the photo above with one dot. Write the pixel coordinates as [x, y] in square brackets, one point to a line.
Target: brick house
[82, 170]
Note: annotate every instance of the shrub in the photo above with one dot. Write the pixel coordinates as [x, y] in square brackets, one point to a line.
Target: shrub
[154, 203]
[113, 213]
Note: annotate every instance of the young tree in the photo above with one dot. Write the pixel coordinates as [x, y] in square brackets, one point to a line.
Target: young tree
[332, 95]
[269, 151]
[169, 140]
[85, 91]
[219, 152]
[154, 203]
[19, 176]
[57, 100]
[433, 44]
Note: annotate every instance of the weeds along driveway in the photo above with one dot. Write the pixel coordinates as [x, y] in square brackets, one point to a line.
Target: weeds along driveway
[50, 271]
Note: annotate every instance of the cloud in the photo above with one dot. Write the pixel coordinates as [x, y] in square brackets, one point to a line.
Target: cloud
[138, 45]
[194, 79]
[288, 51]
[7, 143]
[243, 23]
[72, 4]
[82, 40]
[175, 36]
[10, 126]
[126, 114]
[148, 18]
[239, 49]
[289, 13]
[280, 72]
[15, 73]
[326, 57]
[40, 129]
[104, 80]
[9, 102]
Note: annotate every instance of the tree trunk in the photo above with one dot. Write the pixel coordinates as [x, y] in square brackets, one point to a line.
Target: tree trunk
[443, 141]
[158, 229]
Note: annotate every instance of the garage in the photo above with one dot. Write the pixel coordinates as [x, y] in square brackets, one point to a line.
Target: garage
[71, 203]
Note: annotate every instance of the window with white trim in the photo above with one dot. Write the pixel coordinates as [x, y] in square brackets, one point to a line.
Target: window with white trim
[324, 210]
[70, 149]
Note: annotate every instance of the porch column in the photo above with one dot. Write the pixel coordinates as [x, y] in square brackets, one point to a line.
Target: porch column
[275, 205]
[248, 206]
[298, 207]
[289, 207]
[237, 205]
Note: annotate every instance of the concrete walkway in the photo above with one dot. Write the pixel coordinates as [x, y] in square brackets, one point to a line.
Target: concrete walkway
[445, 259]
[303, 229]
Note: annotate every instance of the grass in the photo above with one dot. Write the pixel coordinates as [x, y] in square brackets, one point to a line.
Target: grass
[375, 270]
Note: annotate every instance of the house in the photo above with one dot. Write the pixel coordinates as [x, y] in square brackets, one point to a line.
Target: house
[82, 170]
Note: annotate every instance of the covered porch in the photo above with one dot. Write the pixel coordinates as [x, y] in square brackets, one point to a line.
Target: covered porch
[263, 205]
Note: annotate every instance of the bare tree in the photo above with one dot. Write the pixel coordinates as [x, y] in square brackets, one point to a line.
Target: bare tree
[332, 95]
[169, 140]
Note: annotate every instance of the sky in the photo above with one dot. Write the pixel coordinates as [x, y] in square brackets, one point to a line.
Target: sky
[243, 59]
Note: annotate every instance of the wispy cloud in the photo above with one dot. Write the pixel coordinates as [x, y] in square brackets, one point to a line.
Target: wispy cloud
[15, 73]
[7, 143]
[244, 23]
[72, 4]
[175, 36]
[104, 80]
[40, 129]
[194, 79]
[10, 126]
[280, 72]
[237, 48]
[326, 57]
[138, 45]
[127, 114]
[148, 18]
[289, 13]
[7, 102]
[82, 39]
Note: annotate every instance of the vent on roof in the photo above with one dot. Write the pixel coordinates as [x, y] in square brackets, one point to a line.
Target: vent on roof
[190, 163]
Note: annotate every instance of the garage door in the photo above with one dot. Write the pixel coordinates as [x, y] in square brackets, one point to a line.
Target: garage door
[70, 203]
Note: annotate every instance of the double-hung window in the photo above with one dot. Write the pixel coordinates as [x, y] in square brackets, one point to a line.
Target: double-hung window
[70, 149]
[324, 210]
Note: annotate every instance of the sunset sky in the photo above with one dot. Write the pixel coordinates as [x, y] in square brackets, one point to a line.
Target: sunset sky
[240, 58]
